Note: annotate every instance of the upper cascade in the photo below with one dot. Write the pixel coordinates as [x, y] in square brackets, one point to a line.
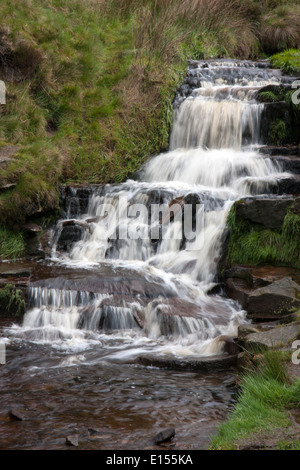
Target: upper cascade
[216, 108]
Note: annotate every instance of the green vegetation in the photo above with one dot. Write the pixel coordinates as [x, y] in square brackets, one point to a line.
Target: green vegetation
[90, 83]
[277, 132]
[288, 61]
[284, 127]
[12, 299]
[266, 393]
[286, 445]
[11, 244]
[252, 244]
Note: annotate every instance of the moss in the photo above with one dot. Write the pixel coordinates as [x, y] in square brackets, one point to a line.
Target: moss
[277, 132]
[267, 97]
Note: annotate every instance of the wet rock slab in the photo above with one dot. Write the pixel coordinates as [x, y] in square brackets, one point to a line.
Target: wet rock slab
[278, 337]
[199, 364]
[104, 278]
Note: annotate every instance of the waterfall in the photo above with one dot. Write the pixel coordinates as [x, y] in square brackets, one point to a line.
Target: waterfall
[167, 227]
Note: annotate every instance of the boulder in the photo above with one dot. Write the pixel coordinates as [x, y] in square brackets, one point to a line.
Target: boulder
[278, 337]
[275, 300]
[268, 212]
[164, 436]
[286, 186]
[263, 275]
[239, 290]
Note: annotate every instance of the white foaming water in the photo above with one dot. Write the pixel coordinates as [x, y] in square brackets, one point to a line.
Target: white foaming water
[210, 163]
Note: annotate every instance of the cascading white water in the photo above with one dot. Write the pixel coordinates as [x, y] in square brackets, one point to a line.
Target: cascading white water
[211, 159]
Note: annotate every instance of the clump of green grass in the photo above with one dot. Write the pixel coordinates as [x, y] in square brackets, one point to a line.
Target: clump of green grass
[13, 299]
[266, 392]
[253, 245]
[12, 244]
[288, 60]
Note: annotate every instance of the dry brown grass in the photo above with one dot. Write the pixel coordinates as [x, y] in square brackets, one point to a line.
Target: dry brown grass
[161, 25]
[280, 28]
[239, 25]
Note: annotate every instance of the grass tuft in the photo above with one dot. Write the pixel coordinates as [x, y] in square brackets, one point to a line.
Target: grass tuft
[253, 245]
[11, 244]
[266, 392]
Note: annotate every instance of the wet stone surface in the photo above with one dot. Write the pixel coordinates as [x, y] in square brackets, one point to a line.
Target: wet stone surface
[60, 396]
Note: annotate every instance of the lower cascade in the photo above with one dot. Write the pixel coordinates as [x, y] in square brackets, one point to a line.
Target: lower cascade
[139, 273]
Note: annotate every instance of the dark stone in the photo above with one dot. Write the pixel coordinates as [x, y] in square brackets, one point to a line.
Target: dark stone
[274, 150]
[201, 364]
[72, 231]
[295, 208]
[74, 200]
[94, 432]
[274, 300]
[269, 213]
[34, 247]
[246, 274]
[231, 347]
[286, 186]
[14, 270]
[239, 290]
[288, 163]
[164, 436]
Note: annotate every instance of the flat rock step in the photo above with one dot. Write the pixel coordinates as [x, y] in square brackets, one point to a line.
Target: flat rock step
[199, 364]
[286, 186]
[255, 337]
[288, 163]
[272, 150]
